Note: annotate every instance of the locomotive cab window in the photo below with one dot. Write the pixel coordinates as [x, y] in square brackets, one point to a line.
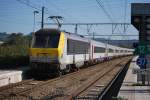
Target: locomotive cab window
[46, 41]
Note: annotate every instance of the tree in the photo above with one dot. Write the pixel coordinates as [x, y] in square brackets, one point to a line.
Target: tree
[17, 39]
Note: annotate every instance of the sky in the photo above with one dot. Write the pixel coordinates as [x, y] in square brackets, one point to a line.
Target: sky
[17, 15]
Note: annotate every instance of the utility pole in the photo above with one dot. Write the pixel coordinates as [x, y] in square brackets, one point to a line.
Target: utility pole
[76, 28]
[42, 22]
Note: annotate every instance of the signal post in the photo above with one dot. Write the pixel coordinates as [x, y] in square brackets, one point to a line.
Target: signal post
[140, 19]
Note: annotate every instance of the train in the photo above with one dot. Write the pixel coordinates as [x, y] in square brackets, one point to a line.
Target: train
[56, 51]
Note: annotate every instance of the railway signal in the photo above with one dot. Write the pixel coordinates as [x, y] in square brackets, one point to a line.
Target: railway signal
[140, 19]
[141, 61]
[141, 49]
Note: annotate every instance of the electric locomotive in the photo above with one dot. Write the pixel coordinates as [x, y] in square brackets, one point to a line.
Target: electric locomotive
[55, 51]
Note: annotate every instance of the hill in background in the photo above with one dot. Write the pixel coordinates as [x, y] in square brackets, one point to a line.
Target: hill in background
[3, 36]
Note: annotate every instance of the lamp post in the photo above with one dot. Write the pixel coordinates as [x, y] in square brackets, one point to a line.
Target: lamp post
[35, 12]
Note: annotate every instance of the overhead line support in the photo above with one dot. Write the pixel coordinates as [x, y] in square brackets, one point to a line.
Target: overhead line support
[42, 22]
[89, 23]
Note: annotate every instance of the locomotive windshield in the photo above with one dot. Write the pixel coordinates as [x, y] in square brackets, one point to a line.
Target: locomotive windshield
[46, 41]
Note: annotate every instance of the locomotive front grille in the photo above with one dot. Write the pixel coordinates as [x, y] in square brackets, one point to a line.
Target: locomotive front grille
[45, 59]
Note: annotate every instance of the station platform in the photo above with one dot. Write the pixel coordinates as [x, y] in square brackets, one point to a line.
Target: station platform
[128, 90]
[10, 76]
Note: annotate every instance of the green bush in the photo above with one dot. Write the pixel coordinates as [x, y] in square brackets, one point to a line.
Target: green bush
[15, 51]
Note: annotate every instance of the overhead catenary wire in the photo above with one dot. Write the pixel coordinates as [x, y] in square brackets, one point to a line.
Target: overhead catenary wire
[100, 3]
[31, 5]
[104, 10]
[47, 10]
[62, 11]
[43, 10]
[27, 3]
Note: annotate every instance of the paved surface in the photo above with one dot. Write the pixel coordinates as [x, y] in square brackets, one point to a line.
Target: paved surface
[130, 92]
[9, 76]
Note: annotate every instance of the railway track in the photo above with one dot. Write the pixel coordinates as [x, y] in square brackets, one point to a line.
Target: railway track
[15, 84]
[14, 89]
[96, 87]
[71, 86]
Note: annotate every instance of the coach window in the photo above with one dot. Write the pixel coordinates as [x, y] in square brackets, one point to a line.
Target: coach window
[117, 51]
[77, 47]
[121, 51]
[111, 50]
[99, 50]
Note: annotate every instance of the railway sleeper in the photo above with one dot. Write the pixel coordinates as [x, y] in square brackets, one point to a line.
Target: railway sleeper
[99, 85]
[93, 94]
[85, 98]
[95, 90]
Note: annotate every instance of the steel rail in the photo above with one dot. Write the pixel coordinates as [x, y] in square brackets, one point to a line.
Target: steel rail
[77, 93]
